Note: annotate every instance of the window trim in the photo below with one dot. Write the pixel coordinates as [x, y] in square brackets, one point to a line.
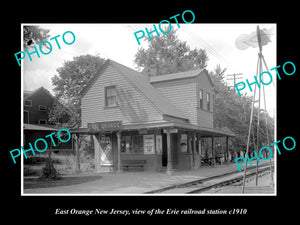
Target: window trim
[208, 102]
[43, 109]
[124, 141]
[200, 98]
[26, 111]
[29, 100]
[42, 123]
[105, 96]
[134, 149]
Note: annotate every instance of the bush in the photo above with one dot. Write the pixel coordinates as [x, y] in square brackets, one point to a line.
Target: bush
[38, 165]
[30, 171]
[49, 171]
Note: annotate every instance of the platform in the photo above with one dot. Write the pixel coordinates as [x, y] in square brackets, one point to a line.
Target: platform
[132, 182]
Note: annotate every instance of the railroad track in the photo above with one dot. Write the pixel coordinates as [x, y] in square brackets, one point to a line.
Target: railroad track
[227, 182]
[205, 184]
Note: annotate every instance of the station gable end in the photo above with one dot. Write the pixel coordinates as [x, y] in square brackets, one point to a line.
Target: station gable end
[183, 90]
[132, 106]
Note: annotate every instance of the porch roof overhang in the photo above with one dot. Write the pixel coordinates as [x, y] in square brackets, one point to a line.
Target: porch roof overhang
[35, 127]
[203, 131]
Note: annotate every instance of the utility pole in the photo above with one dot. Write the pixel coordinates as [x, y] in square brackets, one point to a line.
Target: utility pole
[234, 77]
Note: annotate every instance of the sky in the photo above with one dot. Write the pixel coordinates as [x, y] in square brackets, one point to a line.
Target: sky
[117, 42]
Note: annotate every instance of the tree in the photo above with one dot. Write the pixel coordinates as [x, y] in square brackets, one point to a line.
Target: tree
[34, 34]
[169, 55]
[233, 111]
[72, 77]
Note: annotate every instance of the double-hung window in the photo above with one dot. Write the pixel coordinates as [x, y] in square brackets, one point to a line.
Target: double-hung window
[201, 99]
[27, 103]
[111, 96]
[208, 101]
[42, 107]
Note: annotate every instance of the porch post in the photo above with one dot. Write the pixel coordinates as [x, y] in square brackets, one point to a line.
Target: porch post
[77, 155]
[213, 150]
[227, 149]
[97, 152]
[169, 164]
[199, 148]
[194, 151]
[119, 151]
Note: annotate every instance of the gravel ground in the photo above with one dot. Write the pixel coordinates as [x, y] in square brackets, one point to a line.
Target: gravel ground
[134, 182]
[264, 187]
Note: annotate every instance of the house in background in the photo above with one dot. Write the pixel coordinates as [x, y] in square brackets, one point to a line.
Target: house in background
[37, 105]
[159, 121]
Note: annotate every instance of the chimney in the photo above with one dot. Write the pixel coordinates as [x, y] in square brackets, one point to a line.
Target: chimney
[153, 70]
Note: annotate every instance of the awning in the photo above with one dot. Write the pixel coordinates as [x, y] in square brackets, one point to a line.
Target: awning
[205, 131]
[27, 126]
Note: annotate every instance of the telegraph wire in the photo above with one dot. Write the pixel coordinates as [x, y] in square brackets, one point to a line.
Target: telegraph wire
[210, 49]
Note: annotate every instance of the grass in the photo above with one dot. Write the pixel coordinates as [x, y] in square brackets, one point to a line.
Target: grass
[63, 181]
[64, 164]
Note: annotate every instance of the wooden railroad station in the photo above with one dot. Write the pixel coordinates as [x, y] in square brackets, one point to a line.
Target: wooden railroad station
[154, 123]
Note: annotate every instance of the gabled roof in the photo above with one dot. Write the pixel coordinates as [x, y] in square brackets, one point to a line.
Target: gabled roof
[28, 94]
[141, 83]
[180, 75]
[204, 131]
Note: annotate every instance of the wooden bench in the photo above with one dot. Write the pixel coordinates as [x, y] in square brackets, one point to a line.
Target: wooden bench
[130, 163]
[133, 163]
[209, 160]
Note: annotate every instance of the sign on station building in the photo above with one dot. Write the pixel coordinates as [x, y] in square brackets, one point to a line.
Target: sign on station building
[105, 126]
[158, 120]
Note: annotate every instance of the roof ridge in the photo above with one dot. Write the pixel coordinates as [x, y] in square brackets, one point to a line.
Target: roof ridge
[158, 108]
[200, 69]
[180, 75]
[32, 92]
[138, 89]
[113, 61]
[94, 78]
[46, 91]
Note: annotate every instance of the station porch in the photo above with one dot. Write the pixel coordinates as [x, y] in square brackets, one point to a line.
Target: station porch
[164, 146]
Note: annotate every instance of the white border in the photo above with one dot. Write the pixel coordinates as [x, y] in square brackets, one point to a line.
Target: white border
[22, 115]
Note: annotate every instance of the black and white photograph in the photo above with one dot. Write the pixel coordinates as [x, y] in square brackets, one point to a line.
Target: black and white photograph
[179, 111]
[150, 111]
